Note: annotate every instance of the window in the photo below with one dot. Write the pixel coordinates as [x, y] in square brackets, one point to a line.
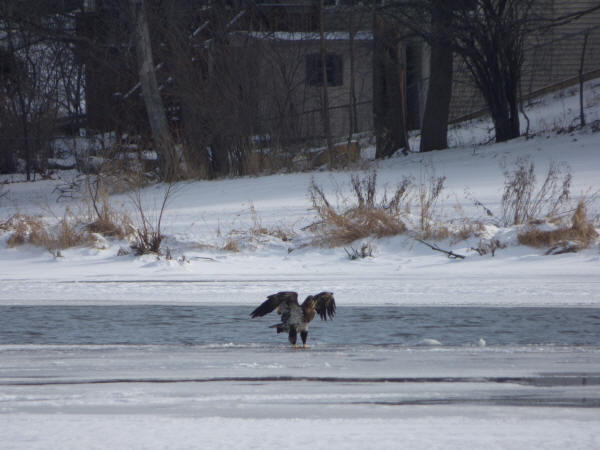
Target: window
[334, 66]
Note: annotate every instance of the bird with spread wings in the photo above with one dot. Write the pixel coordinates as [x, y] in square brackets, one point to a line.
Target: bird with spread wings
[295, 317]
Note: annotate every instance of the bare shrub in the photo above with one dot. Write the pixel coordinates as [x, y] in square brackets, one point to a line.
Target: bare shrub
[577, 235]
[366, 215]
[147, 234]
[523, 201]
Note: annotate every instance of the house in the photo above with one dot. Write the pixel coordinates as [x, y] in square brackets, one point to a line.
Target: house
[256, 74]
[289, 68]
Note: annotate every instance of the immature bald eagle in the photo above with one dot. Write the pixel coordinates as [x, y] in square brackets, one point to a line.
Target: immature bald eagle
[295, 317]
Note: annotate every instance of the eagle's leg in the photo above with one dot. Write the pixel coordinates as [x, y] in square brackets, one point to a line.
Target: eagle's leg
[304, 336]
[293, 336]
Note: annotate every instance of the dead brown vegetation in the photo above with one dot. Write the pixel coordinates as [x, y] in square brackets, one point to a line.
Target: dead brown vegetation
[104, 219]
[31, 230]
[248, 236]
[366, 215]
[574, 236]
[523, 201]
[25, 229]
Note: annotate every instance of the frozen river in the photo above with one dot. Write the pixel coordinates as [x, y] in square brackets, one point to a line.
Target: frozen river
[374, 377]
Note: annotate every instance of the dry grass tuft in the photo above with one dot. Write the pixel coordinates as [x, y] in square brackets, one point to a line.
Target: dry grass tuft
[466, 229]
[70, 230]
[250, 236]
[282, 233]
[104, 219]
[231, 245]
[523, 201]
[583, 228]
[26, 230]
[429, 194]
[69, 234]
[34, 231]
[365, 217]
[380, 215]
[574, 237]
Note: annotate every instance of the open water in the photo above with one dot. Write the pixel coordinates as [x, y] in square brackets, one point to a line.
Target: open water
[374, 326]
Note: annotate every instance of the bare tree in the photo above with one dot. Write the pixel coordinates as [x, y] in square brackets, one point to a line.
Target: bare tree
[30, 89]
[489, 36]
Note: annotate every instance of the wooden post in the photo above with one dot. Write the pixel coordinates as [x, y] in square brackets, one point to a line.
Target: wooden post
[581, 67]
[401, 61]
[324, 87]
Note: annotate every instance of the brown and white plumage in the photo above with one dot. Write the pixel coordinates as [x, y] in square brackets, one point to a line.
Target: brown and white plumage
[295, 317]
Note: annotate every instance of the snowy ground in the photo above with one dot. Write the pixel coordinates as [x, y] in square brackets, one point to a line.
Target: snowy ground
[161, 397]
[243, 397]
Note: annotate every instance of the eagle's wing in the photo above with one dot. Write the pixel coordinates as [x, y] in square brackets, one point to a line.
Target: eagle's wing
[325, 305]
[283, 300]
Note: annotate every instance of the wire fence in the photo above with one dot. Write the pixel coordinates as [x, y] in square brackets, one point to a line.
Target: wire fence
[552, 61]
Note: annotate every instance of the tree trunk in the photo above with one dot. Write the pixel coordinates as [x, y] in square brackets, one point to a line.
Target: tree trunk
[324, 87]
[352, 109]
[388, 100]
[581, 67]
[504, 109]
[434, 130]
[154, 106]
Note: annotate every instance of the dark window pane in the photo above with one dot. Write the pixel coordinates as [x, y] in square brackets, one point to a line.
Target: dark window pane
[334, 68]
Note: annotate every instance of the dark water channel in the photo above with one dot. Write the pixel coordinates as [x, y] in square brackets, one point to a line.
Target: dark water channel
[380, 326]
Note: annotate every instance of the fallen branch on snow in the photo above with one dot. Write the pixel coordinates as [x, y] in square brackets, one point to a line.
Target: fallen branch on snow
[450, 254]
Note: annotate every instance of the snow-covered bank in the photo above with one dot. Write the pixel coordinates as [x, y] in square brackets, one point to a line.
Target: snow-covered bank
[202, 216]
